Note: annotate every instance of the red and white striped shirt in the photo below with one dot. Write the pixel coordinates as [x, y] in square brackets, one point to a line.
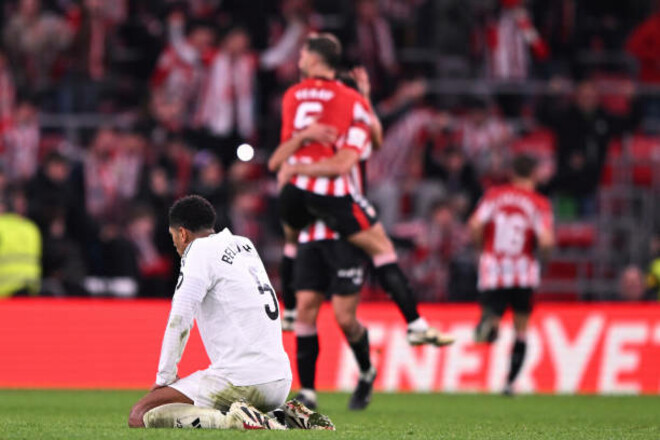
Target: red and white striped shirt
[508, 40]
[178, 75]
[22, 151]
[402, 142]
[227, 99]
[318, 230]
[513, 218]
[332, 103]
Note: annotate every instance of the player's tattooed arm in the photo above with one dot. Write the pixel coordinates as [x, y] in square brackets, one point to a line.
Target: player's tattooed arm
[316, 132]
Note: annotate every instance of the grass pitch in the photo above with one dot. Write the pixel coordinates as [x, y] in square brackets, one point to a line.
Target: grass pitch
[102, 415]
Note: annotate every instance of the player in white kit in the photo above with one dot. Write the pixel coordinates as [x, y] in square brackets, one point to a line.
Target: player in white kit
[222, 285]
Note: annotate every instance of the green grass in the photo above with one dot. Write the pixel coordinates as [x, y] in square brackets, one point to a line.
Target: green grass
[102, 414]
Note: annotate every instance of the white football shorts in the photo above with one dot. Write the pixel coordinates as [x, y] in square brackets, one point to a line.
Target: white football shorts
[209, 390]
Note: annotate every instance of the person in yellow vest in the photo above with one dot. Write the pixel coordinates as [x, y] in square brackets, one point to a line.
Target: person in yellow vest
[653, 276]
[20, 248]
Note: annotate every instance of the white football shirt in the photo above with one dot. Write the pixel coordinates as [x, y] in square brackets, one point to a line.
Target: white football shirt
[223, 285]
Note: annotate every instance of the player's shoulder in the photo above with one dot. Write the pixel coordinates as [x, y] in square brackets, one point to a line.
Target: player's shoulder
[542, 201]
[494, 191]
[352, 95]
[205, 246]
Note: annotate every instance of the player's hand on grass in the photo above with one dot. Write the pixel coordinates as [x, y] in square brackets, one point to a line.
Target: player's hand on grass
[317, 132]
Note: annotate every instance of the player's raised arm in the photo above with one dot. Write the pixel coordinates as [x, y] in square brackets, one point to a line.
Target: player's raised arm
[363, 85]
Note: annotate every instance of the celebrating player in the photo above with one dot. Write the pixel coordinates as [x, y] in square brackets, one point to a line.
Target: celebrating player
[510, 222]
[224, 286]
[318, 170]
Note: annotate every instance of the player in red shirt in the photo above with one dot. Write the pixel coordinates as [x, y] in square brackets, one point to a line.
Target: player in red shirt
[511, 223]
[317, 173]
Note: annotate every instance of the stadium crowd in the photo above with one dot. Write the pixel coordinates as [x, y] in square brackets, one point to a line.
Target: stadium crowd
[161, 93]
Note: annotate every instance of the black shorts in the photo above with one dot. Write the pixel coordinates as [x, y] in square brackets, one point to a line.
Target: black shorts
[497, 300]
[332, 267]
[345, 214]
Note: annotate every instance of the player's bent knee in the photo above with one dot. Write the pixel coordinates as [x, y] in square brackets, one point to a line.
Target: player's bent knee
[349, 325]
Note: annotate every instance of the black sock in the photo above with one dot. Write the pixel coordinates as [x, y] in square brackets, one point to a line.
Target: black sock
[361, 351]
[286, 278]
[517, 358]
[307, 354]
[395, 283]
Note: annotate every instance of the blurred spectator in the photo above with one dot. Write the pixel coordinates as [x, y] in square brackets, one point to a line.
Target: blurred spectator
[20, 247]
[510, 37]
[176, 80]
[632, 286]
[101, 176]
[176, 160]
[644, 45]
[483, 136]
[7, 97]
[453, 171]
[88, 59]
[389, 172]
[22, 142]
[35, 40]
[52, 195]
[438, 239]
[64, 267]
[227, 108]
[584, 131]
[130, 162]
[244, 214]
[373, 46]
[557, 23]
[287, 35]
[155, 266]
[653, 277]
[211, 184]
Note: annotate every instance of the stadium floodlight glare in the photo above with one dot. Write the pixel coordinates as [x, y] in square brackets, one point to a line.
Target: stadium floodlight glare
[245, 152]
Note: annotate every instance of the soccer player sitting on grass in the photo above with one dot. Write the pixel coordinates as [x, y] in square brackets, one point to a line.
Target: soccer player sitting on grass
[224, 286]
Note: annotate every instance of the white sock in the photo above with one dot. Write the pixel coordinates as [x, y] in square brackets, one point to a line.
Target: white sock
[185, 415]
[418, 325]
[369, 374]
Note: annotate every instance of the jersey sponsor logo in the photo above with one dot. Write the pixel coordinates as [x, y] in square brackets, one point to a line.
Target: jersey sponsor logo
[355, 274]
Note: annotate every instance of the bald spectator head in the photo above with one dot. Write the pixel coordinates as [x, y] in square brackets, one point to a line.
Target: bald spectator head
[631, 284]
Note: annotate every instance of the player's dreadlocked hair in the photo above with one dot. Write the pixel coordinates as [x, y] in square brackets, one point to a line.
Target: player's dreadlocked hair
[194, 213]
[524, 165]
[327, 46]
